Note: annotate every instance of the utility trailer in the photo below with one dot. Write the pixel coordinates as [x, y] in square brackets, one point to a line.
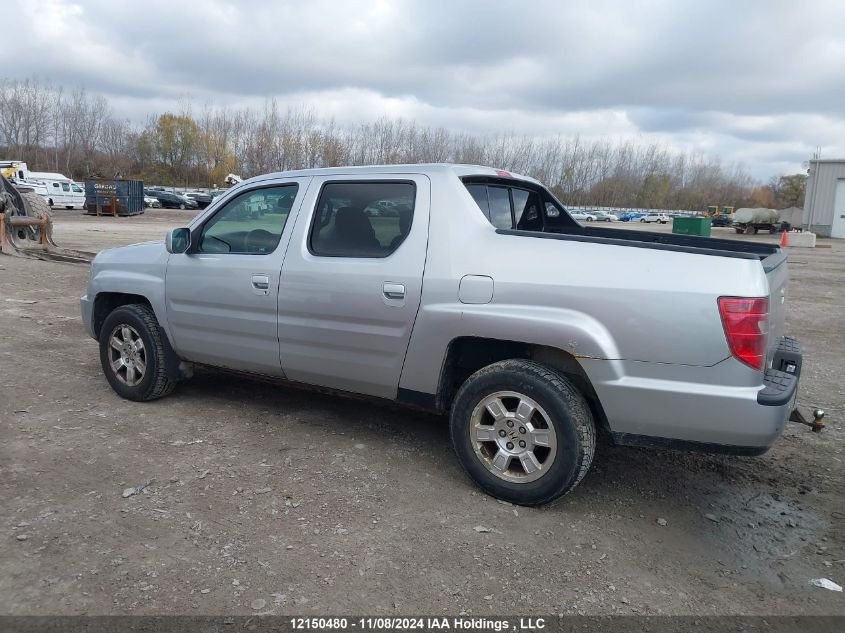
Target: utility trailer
[752, 221]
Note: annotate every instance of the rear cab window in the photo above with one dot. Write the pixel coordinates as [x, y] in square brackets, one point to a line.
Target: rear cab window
[512, 204]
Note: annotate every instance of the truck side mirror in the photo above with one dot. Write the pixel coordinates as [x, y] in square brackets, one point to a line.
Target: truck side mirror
[177, 240]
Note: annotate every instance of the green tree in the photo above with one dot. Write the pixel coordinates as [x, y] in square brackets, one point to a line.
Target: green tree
[789, 190]
[176, 141]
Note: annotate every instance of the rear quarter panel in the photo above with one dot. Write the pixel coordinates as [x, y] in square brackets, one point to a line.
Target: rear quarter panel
[595, 301]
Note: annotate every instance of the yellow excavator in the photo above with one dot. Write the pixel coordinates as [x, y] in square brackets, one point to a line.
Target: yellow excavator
[715, 209]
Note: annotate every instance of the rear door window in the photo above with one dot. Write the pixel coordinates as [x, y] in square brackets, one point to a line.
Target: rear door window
[362, 219]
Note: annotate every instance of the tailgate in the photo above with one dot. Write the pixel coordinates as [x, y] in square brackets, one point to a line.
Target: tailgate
[777, 274]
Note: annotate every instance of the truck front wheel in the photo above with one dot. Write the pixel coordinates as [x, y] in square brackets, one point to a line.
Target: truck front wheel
[522, 431]
[133, 353]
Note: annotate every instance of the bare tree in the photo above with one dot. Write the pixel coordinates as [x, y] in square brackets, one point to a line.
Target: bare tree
[75, 132]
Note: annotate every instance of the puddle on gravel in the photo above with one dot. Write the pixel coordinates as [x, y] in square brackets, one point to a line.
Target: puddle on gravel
[766, 533]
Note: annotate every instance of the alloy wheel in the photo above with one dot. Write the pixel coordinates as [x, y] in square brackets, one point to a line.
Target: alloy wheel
[127, 355]
[513, 436]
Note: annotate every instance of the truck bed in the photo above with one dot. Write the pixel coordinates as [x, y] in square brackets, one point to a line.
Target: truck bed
[770, 255]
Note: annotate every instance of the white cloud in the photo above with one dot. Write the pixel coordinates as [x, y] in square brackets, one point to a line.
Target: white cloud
[758, 82]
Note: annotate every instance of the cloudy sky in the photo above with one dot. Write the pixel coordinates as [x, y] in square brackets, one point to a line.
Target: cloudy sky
[761, 82]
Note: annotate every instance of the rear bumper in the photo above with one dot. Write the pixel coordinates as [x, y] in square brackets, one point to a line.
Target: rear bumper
[780, 382]
[718, 409]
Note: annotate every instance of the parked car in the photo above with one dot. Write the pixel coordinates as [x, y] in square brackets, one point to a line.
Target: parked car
[627, 217]
[170, 200]
[722, 220]
[202, 199]
[660, 218]
[462, 303]
[602, 216]
[583, 215]
[151, 202]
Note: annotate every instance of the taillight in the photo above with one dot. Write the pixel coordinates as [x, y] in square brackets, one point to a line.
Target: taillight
[746, 323]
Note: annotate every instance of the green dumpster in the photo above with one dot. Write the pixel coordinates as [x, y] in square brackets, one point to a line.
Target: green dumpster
[691, 226]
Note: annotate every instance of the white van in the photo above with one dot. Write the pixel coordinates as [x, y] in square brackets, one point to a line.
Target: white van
[61, 190]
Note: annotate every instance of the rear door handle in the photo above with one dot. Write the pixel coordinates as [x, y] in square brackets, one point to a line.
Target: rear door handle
[261, 282]
[394, 291]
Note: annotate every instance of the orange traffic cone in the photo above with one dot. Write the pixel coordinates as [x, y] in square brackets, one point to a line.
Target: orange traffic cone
[784, 240]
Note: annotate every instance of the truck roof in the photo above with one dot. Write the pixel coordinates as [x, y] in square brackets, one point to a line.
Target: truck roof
[49, 175]
[418, 168]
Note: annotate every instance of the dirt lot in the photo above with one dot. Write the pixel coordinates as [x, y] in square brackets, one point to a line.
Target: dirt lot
[270, 499]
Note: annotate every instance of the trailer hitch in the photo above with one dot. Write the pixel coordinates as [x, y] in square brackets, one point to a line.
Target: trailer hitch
[816, 425]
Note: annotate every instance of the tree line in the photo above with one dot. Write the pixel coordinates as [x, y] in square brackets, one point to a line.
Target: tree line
[77, 133]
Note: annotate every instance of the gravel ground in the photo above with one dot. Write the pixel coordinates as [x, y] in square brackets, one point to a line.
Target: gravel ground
[267, 499]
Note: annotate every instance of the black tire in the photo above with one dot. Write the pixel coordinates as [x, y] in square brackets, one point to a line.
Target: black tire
[589, 219]
[572, 423]
[155, 382]
[36, 207]
[182, 206]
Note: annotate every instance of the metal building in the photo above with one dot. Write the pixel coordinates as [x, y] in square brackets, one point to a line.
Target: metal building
[824, 204]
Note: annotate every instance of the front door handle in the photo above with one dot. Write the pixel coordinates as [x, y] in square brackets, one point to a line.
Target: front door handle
[394, 291]
[261, 282]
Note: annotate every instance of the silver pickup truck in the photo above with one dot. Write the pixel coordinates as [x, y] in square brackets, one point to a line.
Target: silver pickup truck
[469, 291]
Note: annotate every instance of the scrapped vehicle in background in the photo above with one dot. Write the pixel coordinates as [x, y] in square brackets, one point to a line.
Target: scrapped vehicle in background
[151, 202]
[583, 215]
[658, 218]
[202, 199]
[170, 200]
[628, 217]
[469, 291]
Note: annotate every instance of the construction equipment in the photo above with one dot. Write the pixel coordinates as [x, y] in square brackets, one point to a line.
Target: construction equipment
[14, 169]
[716, 209]
[26, 227]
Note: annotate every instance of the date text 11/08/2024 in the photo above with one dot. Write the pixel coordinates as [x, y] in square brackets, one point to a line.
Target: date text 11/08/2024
[418, 623]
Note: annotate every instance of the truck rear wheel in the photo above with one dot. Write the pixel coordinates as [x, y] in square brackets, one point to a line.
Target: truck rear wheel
[133, 354]
[522, 431]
